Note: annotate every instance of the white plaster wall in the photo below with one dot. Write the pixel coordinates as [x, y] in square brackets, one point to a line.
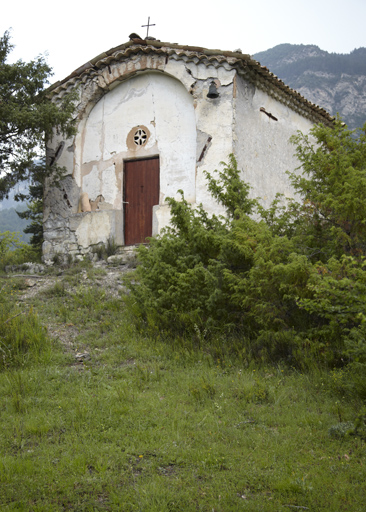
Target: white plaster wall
[164, 106]
[93, 229]
[188, 131]
[261, 144]
[214, 118]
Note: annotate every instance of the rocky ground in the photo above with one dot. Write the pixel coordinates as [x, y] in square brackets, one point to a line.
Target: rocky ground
[107, 273]
[36, 279]
[111, 280]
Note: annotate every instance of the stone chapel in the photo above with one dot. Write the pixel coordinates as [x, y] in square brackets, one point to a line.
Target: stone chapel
[151, 117]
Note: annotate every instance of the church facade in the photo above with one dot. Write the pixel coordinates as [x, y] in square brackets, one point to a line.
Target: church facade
[151, 118]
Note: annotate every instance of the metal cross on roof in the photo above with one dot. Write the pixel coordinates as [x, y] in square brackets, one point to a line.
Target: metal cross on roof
[148, 26]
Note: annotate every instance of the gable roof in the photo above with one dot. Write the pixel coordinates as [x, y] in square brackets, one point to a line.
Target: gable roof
[245, 65]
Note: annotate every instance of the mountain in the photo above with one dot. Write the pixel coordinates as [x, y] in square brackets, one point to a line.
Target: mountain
[20, 188]
[9, 219]
[336, 82]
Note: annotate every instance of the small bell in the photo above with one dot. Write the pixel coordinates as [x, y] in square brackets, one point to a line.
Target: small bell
[212, 92]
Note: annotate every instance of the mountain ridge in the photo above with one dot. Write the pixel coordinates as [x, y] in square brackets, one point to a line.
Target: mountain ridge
[334, 81]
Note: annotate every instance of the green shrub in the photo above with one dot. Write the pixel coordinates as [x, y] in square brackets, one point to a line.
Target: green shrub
[103, 251]
[57, 290]
[224, 275]
[181, 282]
[15, 252]
[100, 252]
[290, 283]
[23, 254]
[111, 247]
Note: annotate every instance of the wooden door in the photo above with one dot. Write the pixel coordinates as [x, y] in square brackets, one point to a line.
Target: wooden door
[141, 193]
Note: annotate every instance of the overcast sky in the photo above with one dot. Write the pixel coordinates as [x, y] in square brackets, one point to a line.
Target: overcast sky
[71, 32]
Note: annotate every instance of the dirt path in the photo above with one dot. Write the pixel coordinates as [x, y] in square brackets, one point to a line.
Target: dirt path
[101, 275]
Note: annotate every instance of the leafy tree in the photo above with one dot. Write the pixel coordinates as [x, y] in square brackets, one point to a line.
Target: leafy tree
[329, 217]
[7, 241]
[332, 187]
[34, 213]
[27, 118]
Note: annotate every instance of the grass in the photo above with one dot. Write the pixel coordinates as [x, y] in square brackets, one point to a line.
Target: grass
[147, 426]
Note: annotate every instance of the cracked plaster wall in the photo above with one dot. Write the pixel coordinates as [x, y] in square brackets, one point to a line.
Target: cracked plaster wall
[261, 144]
[190, 133]
[150, 100]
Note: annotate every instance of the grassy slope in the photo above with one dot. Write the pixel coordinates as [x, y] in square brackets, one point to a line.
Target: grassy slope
[147, 426]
